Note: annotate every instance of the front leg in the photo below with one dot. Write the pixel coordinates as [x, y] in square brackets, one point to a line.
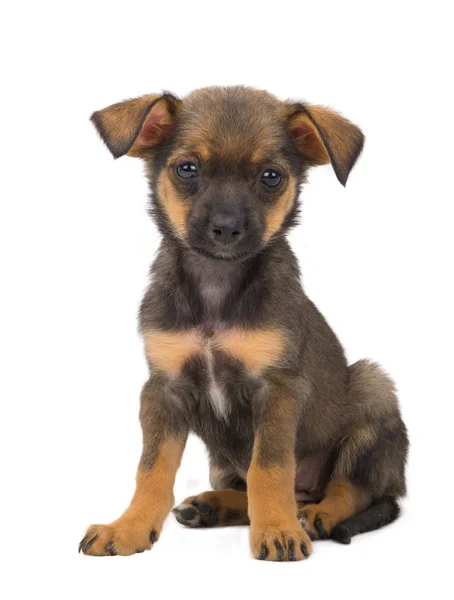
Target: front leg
[164, 438]
[275, 532]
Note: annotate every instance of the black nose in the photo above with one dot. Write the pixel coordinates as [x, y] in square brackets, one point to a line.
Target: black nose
[225, 229]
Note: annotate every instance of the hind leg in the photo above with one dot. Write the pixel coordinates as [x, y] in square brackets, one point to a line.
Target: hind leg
[343, 499]
[217, 508]
[370, 464]
[369, 467]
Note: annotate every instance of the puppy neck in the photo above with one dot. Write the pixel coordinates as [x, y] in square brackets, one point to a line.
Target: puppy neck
[214, 282]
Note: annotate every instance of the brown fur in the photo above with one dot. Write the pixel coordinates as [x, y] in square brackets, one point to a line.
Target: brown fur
[308, 137]
[324, 136]
[271, 493]
[275, 216]
[272, 511]
[342, 500]
[168, 351]
[137, 126]
[271, 485]
[226, 507]
[237, 352]
[256, 349]
[176, 208]
[140, 525]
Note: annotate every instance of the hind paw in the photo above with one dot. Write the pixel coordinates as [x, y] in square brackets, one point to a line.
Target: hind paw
[317, 524]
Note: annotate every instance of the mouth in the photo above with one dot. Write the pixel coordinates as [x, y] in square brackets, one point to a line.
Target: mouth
[222, 254]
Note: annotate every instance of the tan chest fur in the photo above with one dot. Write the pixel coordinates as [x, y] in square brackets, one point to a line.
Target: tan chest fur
[256, 349]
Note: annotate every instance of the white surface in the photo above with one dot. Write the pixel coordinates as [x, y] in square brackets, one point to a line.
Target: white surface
[75, 244]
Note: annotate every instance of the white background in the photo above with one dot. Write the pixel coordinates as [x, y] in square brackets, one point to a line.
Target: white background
[76, 244]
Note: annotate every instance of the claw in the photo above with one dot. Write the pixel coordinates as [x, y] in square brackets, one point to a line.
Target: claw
[89, 544]
[280, 550]
[82, 542]
[322, 533]
[110, 549]
[291, 550]
[263, 552]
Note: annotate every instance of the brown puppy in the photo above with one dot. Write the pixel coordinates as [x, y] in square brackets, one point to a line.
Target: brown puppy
[301, 445]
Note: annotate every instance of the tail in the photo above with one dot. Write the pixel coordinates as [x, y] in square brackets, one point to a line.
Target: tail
[378, 515]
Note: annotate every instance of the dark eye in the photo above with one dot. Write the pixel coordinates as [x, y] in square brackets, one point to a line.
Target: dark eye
[271, 178]
[187, 170]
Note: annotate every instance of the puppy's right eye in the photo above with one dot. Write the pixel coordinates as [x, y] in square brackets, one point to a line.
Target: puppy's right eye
[187, 171]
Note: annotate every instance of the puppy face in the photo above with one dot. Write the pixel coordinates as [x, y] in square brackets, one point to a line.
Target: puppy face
[230, 178]
[225, 164]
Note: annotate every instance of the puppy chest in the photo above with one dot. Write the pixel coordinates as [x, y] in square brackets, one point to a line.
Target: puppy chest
[217, 355]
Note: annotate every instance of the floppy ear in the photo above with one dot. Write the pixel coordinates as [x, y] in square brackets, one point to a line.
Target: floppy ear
[134, 126]
[323, 136]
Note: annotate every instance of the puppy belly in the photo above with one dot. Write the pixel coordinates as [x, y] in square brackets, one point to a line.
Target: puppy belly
[309, 478]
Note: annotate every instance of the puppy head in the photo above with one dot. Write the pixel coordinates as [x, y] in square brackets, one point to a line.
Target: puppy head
[225, 164]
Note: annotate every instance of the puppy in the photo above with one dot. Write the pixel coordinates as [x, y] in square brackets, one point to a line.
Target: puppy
[301, 445]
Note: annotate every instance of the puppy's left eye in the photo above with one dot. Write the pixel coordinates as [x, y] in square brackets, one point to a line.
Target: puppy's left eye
[271, 178]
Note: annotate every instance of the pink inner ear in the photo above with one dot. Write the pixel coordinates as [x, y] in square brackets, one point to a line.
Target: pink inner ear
[151, 130]
[155, 127]
[301, 130]
[305, 133]
[307, 139]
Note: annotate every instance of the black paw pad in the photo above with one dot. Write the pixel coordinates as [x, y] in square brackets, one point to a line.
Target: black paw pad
[188, 513]
[197, 514]
[204, 507]
[209, 516]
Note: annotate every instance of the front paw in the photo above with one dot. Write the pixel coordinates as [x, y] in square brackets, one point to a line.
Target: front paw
[287, 543]
[117, 538]
[196, 513]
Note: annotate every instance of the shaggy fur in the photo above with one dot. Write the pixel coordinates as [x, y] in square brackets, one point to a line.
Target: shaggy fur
[301, 445]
